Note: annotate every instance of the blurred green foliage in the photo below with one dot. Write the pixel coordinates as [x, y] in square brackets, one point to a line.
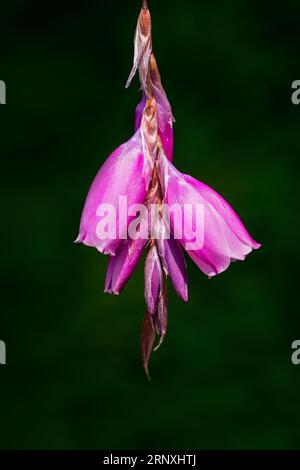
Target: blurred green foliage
[224, 377]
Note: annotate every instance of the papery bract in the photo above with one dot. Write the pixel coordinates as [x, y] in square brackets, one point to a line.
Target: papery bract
[165, 126]
[142, 48]
[164, 112]
[153, 279]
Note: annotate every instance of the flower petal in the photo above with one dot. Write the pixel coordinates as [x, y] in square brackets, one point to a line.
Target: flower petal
[224, 209]
[122, 175]
[224, 238]
[139, 113]
[164, 111]
[176, 265]
[171, 256]
[122, 265]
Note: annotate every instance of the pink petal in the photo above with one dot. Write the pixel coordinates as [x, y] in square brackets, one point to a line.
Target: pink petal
[171, 257]
[176, 265]
[224, 237]
[139, 113]
[165, 121]
[122, 174]
[122, 265]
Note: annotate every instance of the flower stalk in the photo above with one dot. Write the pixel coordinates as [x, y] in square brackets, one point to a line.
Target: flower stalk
[186, 214]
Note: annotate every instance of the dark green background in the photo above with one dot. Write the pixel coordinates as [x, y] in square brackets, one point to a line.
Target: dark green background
[224, 377]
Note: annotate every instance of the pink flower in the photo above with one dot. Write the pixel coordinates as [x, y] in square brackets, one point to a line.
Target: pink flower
[225, 237]
[168, 210]
[122, 265]
[121, 175]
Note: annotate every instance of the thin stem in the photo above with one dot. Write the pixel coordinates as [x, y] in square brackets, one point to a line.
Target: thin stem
[145, 4]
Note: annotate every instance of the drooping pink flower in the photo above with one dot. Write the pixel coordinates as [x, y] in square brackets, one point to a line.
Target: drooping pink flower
[121, 175]
[225, 236]
[141, 175]
[125, 174]
[122, 265]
